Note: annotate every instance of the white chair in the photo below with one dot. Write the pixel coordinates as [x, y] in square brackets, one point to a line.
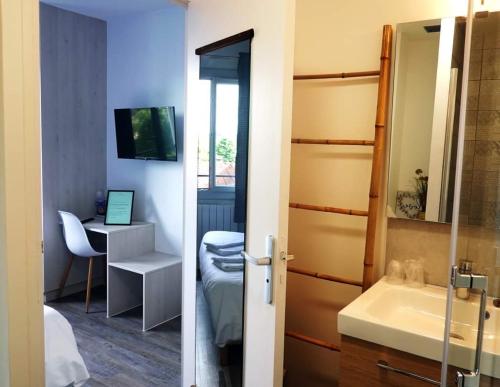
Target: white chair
[79, 245]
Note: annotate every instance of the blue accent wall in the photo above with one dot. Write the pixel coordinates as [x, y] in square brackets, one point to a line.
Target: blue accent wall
[146, 62]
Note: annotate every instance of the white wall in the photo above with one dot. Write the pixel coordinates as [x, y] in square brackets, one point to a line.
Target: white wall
[146, 68]
[270, 125]
[335, 36]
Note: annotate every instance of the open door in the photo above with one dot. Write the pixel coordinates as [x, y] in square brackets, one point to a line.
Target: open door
[271, 73]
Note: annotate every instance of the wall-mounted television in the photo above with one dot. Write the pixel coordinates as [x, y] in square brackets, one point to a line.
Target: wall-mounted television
[146, 133]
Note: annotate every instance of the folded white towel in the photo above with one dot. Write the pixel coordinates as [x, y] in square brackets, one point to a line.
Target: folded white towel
[225, 252]
[223, 245]
[229, 266]
[228, 260]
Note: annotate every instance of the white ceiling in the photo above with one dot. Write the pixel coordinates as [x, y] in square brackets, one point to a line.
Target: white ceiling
[106, 9]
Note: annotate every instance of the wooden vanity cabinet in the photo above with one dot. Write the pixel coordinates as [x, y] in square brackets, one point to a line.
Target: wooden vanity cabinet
[358, 367]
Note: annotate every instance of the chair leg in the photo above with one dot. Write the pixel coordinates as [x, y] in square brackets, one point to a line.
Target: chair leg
[89, 284]
[65, 276]
[105, 268]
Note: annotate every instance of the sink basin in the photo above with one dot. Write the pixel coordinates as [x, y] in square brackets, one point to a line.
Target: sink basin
[412, 320]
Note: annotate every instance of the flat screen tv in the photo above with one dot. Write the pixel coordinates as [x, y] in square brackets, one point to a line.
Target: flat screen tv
[146, 133]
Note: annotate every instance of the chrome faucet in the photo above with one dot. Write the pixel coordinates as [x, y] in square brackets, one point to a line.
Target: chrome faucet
[465, 267]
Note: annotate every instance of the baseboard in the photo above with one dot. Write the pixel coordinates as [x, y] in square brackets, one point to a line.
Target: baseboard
[52, 295]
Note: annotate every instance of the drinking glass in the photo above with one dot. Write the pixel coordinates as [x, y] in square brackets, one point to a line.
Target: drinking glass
[395, 272]
[414, 273]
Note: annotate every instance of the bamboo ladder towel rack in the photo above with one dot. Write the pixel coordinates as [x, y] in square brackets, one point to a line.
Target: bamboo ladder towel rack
[376, 175]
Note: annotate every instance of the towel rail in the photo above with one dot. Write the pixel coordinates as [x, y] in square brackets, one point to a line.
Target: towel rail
[335, 210]
[326, 277]
[375, 181]
[378, 157]
[354, 74]
[332, 142]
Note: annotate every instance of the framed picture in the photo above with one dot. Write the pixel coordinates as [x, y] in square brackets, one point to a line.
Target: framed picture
[407, 205]
[120, 205]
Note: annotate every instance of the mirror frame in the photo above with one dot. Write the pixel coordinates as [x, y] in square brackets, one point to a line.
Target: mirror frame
[434, 211]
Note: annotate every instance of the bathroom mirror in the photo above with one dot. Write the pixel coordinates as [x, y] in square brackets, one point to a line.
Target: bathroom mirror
[223, 132]
[427, 73]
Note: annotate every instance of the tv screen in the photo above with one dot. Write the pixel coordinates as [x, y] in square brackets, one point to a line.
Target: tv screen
[146, 133]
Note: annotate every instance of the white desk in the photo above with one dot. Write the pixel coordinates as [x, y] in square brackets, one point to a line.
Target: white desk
[98, 226]
[137, 275]
[158, 275]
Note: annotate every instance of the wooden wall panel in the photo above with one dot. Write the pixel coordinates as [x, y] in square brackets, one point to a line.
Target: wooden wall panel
[73, 64]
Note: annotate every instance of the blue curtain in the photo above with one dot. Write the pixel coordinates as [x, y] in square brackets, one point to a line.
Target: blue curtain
[240, 202]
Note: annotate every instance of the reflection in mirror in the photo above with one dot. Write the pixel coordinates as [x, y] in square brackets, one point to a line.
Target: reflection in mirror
[222, 177]
[426, 99]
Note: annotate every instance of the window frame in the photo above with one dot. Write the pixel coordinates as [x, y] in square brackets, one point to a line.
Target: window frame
[220, 191]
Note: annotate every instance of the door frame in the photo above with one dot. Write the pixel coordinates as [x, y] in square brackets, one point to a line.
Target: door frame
[21, 258]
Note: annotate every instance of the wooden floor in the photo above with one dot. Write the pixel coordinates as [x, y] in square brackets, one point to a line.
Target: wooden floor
[209, 372]
[116, 351]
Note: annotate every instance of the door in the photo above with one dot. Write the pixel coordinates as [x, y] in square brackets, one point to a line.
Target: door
[471, 355]
[268, 174]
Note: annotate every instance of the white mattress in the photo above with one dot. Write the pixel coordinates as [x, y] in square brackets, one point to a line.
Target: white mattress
[63, 364]
[223, 290]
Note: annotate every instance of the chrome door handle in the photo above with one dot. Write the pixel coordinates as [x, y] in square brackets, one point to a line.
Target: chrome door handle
[267, 261]
[478, 282]
[264, 261]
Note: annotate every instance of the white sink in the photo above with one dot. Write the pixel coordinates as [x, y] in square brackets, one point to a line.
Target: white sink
[412, 320]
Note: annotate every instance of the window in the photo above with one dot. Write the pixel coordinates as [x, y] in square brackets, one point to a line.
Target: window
[204, 124]
[218, 138]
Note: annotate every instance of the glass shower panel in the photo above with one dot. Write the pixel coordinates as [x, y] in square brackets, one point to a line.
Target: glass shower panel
[478, 242]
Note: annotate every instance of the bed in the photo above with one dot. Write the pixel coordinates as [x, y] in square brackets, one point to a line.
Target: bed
[223, 291]
[63, 364]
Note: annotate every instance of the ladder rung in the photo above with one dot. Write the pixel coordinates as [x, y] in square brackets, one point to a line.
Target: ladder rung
[312, 340]
[355, 74]
[332, 142]
[326, 277]
[345, 211]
